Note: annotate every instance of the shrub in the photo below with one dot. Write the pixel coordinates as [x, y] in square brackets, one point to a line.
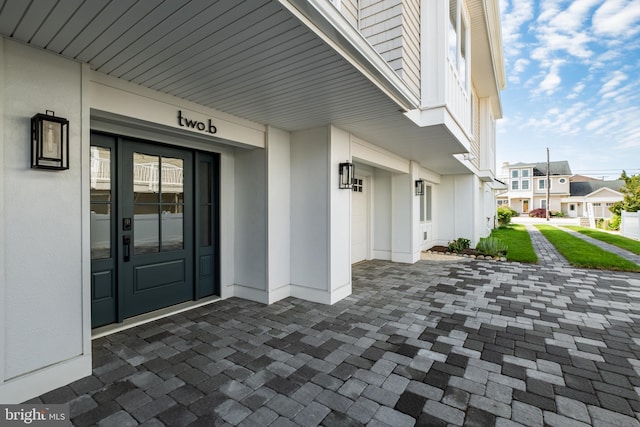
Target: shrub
[557, 214]
[459, 245]
[538, 213]
[614, 223]
[491, 246]
[505, 213]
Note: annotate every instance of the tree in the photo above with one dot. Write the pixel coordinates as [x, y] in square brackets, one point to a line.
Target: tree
[631, 191]
[631, 201]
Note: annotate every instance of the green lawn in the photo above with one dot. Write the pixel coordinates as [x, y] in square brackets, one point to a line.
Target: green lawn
[518, 242]
[583, 254]
[613, 239]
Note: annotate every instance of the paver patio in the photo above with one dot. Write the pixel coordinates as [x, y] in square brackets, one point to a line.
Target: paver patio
[455, 342]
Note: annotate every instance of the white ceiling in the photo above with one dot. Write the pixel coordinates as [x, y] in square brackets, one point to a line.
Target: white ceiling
[250, 58]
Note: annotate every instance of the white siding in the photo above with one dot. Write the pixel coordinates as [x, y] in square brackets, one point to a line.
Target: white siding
[393, 29]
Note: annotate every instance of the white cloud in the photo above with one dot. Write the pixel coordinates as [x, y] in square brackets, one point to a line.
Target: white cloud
[615, 79]
[576, 91]
[552, 79]
[514, 15]
[617, 18]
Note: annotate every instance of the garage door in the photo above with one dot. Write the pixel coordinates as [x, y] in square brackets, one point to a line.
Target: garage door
[360, 219]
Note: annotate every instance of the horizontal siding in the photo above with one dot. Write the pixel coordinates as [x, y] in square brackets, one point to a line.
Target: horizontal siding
[411, 44]
[349, 9]
[475, 141]
[393, 29]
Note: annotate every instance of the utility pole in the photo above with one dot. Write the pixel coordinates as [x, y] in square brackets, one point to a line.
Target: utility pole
[548, 213]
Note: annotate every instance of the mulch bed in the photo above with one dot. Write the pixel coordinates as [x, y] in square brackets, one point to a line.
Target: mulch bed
[469, 252]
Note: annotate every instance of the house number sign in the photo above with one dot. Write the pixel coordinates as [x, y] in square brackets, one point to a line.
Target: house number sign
[208, 127]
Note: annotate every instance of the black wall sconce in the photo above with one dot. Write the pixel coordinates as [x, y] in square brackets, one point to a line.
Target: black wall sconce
[49, 142]
[419, 187]
[346, 171]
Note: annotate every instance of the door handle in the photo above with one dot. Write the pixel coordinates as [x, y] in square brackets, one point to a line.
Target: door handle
[126, 251]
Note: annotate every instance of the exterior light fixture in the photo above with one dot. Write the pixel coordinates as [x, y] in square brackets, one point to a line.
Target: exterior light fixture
[346, 171]
[49, 142]
[419, 187]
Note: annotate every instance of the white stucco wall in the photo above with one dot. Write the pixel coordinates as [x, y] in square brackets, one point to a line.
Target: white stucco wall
[250, 255]
[381, 215]
[310, 211]
[44, 303]
[279, 213]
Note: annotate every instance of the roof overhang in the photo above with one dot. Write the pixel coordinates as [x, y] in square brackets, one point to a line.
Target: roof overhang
[291, 64]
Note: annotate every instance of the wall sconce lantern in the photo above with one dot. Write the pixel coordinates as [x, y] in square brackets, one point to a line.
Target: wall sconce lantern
[419, 187]
[49, 142]
[346, 171]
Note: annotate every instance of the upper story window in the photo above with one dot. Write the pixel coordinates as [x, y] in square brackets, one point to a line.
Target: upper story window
[562, 180]
[525, 173]
[525, 184]
[514, 185]
[541, 184]
[458, 43]
[514, 173]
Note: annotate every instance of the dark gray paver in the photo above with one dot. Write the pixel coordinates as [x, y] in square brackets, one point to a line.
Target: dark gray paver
[477, 343]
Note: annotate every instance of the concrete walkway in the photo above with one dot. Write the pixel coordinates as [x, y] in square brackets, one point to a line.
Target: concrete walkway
[474, 343]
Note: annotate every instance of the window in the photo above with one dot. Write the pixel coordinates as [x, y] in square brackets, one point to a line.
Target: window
[609, 204]
[457, 41]
[562, 180]
[514, 173]
[514, 185]
[543, 204]
[425, 204]
[541, 185]
[525, 184]
[525, 173]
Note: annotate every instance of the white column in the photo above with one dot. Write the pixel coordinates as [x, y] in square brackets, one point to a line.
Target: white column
[405, 219]
[278, 214]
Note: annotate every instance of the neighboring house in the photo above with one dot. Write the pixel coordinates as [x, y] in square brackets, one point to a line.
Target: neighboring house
[527, 185]
[573, 195]
[207, 145]
[592, 199]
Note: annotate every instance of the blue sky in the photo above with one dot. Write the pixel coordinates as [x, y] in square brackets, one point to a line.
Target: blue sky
[573, 84]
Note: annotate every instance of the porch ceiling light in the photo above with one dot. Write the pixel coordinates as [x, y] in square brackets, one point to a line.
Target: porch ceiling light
[419, 187]
[49, 142]
[346, 171]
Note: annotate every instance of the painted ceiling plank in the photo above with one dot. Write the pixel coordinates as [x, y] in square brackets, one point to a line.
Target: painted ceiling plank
[54, 22]
[155, 17]
[159, 35]
[260, 58]
[32, 20]
[11, 9]
[81, 18]
[155, 51]
[182, 63]
[111, 13]
[111, 35]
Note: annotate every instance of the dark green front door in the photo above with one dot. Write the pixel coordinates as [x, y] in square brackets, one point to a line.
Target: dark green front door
[147, 227]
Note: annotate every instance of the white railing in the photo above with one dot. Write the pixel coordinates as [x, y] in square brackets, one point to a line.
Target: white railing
[147, 174]
[100, 171]
[457, 98]
[630, 225]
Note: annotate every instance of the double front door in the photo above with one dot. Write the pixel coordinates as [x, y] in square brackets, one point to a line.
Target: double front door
[154, 219]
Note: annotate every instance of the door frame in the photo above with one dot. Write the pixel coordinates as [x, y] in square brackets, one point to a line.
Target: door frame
[202, 286]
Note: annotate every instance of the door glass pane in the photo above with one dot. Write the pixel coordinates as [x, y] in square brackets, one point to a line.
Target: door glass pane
[100, 194]
[205, 182]
[146, 229]
[205, 225]
[100, 230]
[172, 177]
[146, 179]
[100, 182]
[172, 226]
